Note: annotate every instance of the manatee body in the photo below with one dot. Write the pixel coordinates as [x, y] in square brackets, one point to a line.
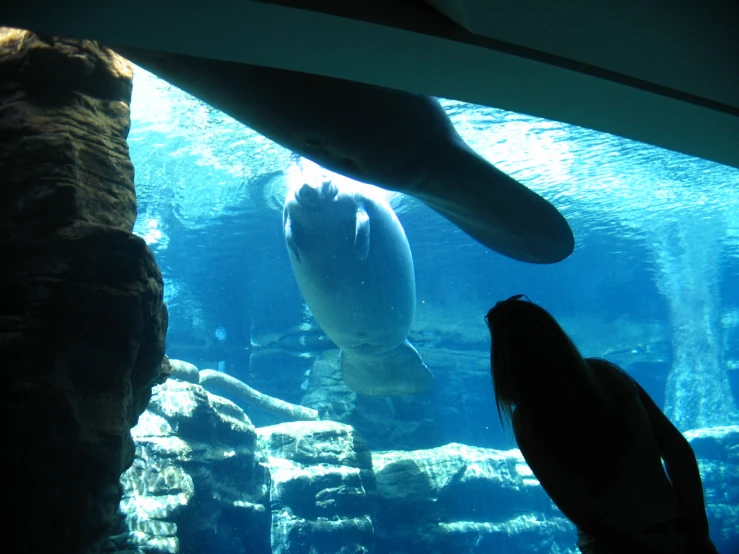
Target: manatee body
[353, 264]
[389, 138]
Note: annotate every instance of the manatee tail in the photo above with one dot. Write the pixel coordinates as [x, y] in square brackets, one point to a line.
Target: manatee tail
[492, 207]
[395, 372]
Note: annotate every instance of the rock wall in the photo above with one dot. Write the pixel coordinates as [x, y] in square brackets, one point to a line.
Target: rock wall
[82, 322]
[315, 488]
[205, 480]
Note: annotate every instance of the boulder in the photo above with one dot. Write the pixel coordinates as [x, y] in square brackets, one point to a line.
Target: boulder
[322, 488]
[462, 499]
[717, 450]
[184, 371]
[198, 483]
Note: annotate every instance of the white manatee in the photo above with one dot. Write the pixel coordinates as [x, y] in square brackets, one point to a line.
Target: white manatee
[353, 264]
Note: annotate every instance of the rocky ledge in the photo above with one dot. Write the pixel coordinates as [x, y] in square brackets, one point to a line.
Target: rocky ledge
[205, 480]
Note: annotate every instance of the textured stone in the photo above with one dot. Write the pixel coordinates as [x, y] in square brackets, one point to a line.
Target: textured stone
[717, 450]
[184, 371]
[82, 322]
[326, 391]
[220, 383]
[457, 498]
[198, 483]
[315, 488]
[64, 118]
[322, 488]
[400, 422]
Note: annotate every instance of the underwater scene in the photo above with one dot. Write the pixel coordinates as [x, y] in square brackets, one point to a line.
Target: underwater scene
[283, 430]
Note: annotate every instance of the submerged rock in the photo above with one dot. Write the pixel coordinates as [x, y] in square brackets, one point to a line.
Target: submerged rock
[204, 480]
[402, 422]
[717, 450]
[457, 498]
[184, 371]
[322, 489]
[198, 483]
[326, 391]
[236, 390]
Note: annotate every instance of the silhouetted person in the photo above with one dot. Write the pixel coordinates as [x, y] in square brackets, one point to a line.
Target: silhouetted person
[595, 440]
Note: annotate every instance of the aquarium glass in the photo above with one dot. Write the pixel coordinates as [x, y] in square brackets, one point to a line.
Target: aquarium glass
[653, 283]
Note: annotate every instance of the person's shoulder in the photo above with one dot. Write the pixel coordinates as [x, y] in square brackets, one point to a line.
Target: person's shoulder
[612, 376]
[601, 364]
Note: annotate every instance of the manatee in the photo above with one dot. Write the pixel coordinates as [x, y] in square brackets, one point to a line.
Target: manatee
[353, 264]
[396, 140]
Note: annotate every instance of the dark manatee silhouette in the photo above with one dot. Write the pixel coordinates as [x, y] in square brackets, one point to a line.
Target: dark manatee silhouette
[396, 140]
[353, 264]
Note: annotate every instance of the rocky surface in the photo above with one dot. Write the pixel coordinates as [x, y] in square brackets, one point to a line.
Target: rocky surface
[458, 498]
[222, 384]
[198, 483]
[717, 450]
[82, 322]
[184, 371]
[323, 488]
[205, 480]
[401, 422]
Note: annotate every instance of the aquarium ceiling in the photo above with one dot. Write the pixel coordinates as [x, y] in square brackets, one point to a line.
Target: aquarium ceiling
[661, 74]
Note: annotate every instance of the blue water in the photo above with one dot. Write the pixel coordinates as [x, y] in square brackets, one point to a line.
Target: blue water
[653, 283]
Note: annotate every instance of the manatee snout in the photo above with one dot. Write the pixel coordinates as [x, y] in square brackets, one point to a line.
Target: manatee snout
[313, 197]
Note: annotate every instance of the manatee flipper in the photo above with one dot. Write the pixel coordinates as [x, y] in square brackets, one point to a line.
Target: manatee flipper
[398, 371]
[290, 237]
[362, 233]
[489, 205]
